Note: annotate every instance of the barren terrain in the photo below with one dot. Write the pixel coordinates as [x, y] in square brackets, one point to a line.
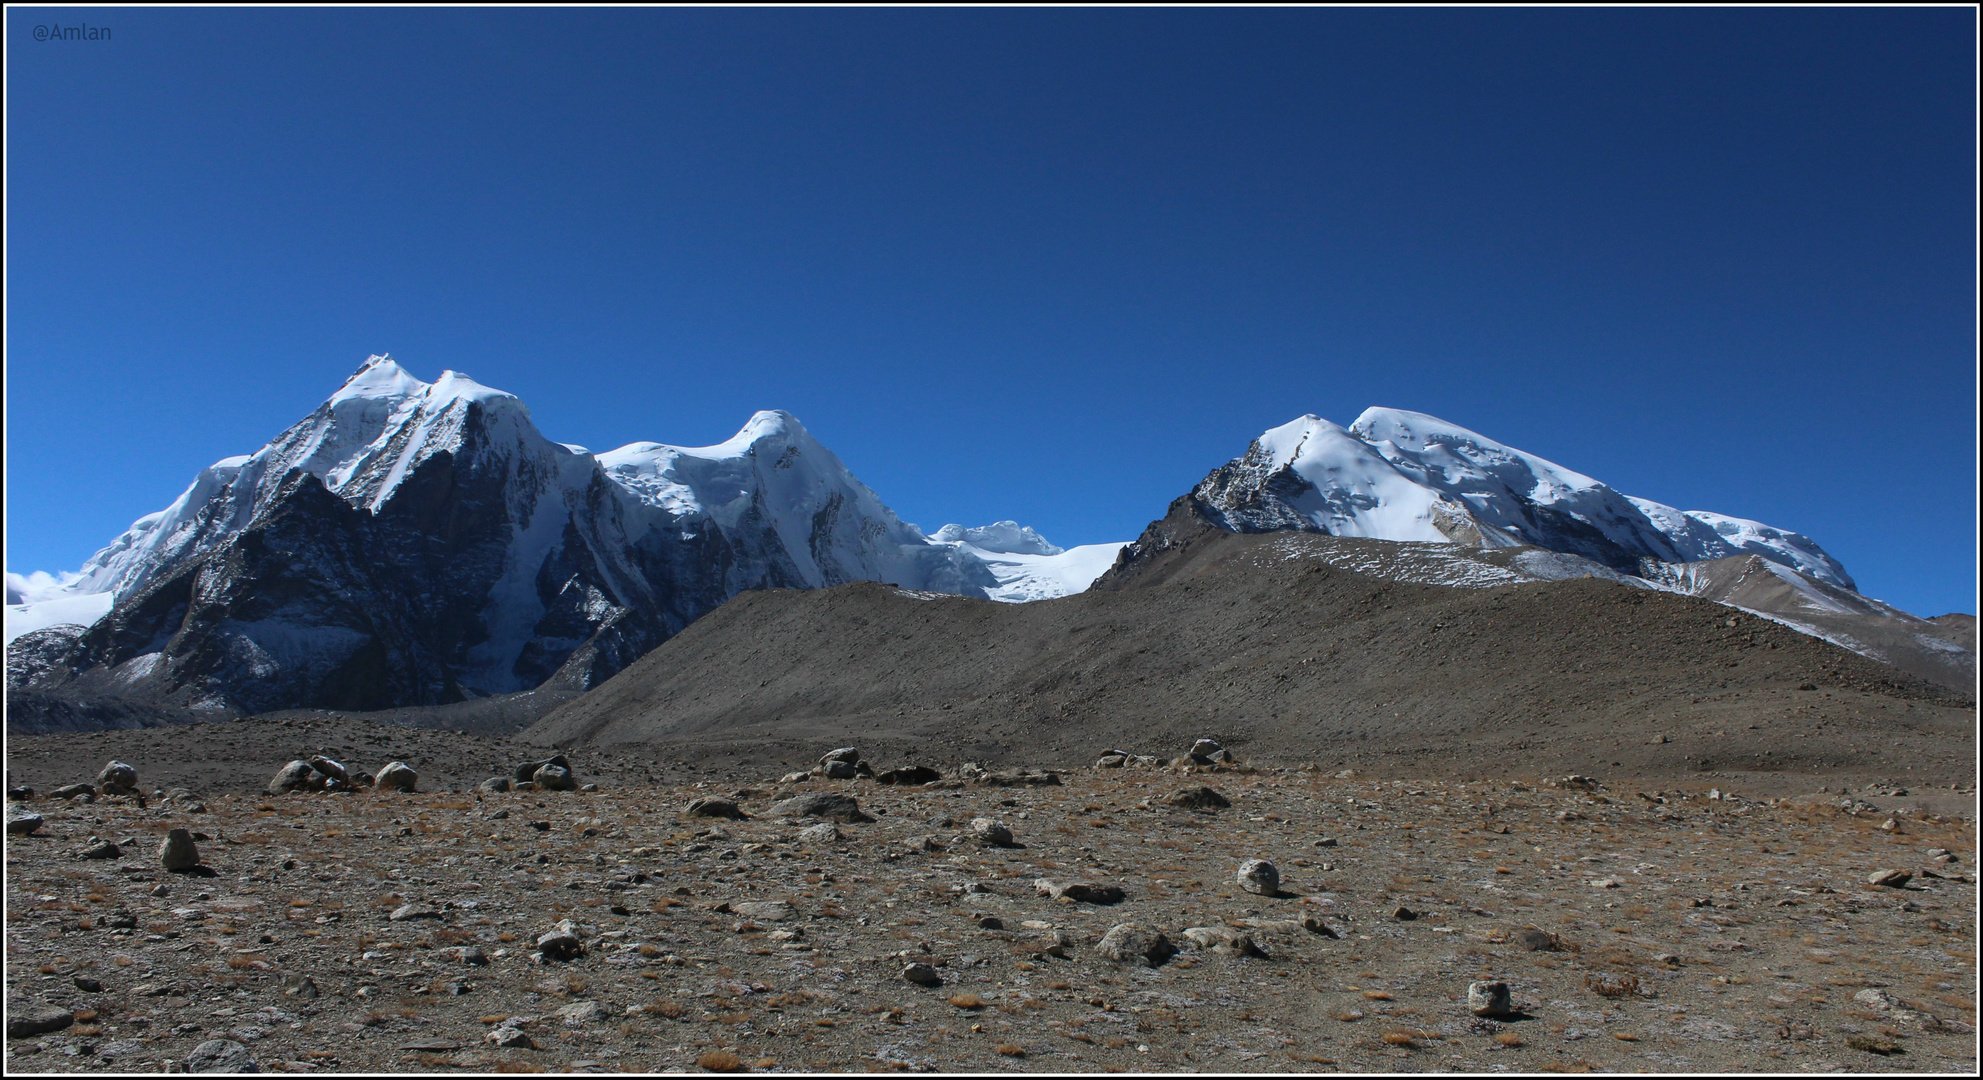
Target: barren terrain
[1639, 926]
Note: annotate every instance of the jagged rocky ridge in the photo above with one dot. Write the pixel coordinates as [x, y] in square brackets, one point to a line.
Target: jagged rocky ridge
[418, 544]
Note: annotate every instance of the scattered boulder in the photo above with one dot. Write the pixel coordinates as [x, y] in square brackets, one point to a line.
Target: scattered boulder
[299, 986]
[987, 831]
[847, 754]
[296, 776]
[1260, 877]
[1223, 940]
[332, 769]
[767, 910]
[117, 778]
[221, 1056]
[554, 778]
[496, 784]
[842, 808]
[1017, 778]
[1199, 798]
[1489, 999]
[396, 776]
[105, 850]
[922, 975]
[715, 808]
[822, 833]
[1892, 879]
[177, 851]
[71, 791]
[1114, 759]
[581, 1013]
[26, 1023]
[529, 769]
[508, 1035]
[1129, 943]
[561, 942]
[20, 794]
[1086, 892]
[21, 821]
[909, 774]
[1208, 752]
[839, 770]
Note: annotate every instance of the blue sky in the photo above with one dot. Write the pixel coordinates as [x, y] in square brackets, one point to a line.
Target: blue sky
[1051, 265]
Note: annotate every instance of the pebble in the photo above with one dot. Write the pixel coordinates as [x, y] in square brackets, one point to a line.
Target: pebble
[177, 851]
[405, 912]
[1260, 877]
[1489, 999]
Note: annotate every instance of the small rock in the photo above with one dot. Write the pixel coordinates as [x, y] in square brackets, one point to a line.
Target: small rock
[767, 910]
[20, 794]
[177, 852]
[1111, 760]
[795, 778]
[299, 986]
[496, 784]
[21, 821]
[296, 776]
[909, 774]
[332, 769]
[1404, 914]
[714, 808]
[406, 912]
[989, 831]
[26, 1023]
[820, 804]
[1259, 876]
[86, 984]
[105, 850]
[1892, 879]
[471, 955]
[220, 1056]
[847, 754]
[588, 789]
[554, 778]
[1224, 940]
[1535, 940]
[1327, 841]
[510, 1036]
[580, 1013]
[922, 975]
[1489, 999]
[1890, 826]
[72, 791]
[1199, 798]
[561, 943]
[822, 833]
[528, 770]
[991, 922]
[1127, 942]
[396, 776]
[1605, 883]
[1085, 892]
[839, 770]
[118, 776]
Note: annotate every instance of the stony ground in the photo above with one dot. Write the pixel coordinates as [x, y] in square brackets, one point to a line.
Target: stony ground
[1640, 927]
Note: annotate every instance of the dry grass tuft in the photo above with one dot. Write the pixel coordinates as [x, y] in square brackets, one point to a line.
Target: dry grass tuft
[719, 1061]
[1612, 986]
[1379, 995]
[968, 1001]
[1011, 1049]
[673, 1010]
[1508, 1039]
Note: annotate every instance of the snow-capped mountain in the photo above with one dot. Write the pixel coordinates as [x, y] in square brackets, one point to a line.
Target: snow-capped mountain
[415, 543]
[1026, 565]
[1397, 475]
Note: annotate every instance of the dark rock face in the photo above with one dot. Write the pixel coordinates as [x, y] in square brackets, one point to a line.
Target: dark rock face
[404, 547]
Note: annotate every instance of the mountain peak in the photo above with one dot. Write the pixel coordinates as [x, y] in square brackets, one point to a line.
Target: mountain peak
[380, 377]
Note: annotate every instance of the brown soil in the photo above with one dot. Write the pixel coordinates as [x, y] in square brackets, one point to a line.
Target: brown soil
[1734, 934]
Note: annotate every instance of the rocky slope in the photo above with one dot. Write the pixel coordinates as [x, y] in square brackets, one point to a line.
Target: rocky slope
[414, 544]
[1267, 642]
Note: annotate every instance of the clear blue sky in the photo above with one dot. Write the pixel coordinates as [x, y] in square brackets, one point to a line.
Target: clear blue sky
[1051, 265]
